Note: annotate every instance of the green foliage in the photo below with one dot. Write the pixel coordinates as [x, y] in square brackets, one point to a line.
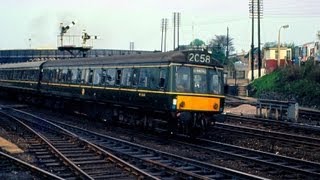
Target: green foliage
[270, 44]
[197, 42]
[218, 46]
[300, 83]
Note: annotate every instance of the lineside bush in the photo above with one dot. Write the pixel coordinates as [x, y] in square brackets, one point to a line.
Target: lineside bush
[291, 83]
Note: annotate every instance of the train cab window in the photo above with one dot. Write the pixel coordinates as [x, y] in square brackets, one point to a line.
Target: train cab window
[214, 81]
[200, 80]
[182, 75]
[111, 77]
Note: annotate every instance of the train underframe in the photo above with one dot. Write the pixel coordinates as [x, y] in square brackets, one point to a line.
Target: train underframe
[174, 122]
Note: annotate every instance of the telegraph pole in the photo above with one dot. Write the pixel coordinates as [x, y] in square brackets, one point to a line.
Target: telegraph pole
[259, 49]
[252, 40]
[227, 53]
[178, 24]
[162, 29]
[174, 29]
[165, 33]
[255, 11]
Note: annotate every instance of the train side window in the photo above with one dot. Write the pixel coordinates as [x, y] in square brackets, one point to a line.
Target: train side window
[96, 76]
[103, 76]
[118, 76]
[65, 75]
[90, 76]
[9, 74]
[69, 76]
[46, 75]
[79, 76]
[24, 75]
[74, 74]
[111, 77]
[126, 79]
[214, 82]
[85, 76]
[143, 78]
[55, 75]
[135, 77]
[60, 79]
[162, 79]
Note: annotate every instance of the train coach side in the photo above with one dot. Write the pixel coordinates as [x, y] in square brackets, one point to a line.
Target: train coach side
[20, 78]
[181, 89]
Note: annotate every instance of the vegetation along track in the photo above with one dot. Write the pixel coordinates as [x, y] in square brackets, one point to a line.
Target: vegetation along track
[84, 159]
[159, 164]
[9, 164]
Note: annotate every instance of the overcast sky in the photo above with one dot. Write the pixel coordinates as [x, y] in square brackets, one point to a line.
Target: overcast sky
[119, 22]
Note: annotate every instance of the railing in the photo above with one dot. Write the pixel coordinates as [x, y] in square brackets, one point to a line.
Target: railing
[279, 110]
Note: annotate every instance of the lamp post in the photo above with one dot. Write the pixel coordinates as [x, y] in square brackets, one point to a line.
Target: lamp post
[284, 27]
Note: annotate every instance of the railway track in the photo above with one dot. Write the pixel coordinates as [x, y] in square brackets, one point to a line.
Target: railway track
[70, 157]
[260, 161]
[274, 125]
[306, 115]
[13, 168]
[309, 115]
[159, 164]
[296, 140]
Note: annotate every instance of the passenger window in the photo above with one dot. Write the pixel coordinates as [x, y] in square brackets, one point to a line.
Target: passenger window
[79, 75]
[135, 77]
[126, 78]
[103, 77]
[162, 80]
[90, 76]
[60, 75]
[97, 76]
[118, 77]
[111, 77]
[74, 76]
[69, 76]
[143, 79]
[85, 76]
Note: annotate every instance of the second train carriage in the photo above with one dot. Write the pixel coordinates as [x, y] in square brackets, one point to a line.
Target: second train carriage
[184, 89]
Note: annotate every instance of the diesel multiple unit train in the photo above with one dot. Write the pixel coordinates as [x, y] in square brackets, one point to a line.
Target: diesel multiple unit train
[181, 91]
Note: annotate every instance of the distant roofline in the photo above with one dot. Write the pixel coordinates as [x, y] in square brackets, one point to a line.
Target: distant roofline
[57, 49]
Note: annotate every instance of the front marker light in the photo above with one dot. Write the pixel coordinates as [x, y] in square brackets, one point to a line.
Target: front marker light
[174, 102]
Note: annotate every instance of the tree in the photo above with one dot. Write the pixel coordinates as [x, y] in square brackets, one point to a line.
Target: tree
[218, 46]
[197, 42]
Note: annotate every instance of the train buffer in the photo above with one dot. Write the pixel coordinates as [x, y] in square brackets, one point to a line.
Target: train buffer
[279, 110]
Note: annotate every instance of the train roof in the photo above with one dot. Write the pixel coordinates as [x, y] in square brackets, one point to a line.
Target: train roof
[24, 65]
[149, 58]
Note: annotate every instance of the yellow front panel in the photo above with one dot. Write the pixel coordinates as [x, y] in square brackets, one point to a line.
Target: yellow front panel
[198, 103]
